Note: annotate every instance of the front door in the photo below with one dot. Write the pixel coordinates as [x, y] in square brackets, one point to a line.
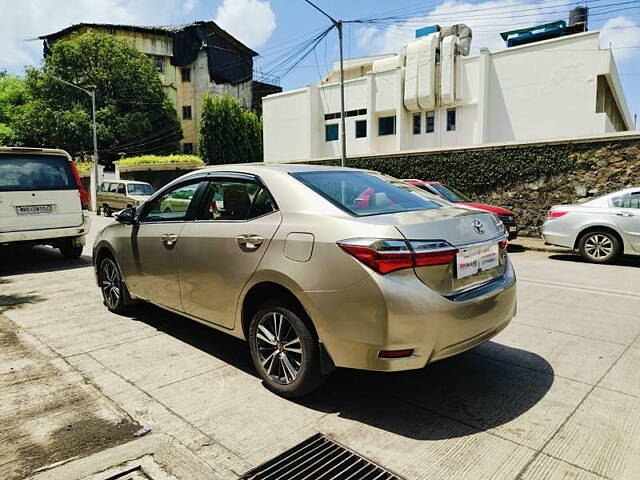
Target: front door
[155, 243]
[626, 212]
[219, 252]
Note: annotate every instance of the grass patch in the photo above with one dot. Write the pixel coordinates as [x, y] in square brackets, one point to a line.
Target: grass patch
[145, 159]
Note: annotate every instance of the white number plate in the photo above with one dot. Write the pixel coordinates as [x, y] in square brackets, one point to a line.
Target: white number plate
[34, 209]
[513, 229]
[470, 261]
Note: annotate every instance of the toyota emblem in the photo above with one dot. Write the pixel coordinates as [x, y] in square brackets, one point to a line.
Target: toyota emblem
[478, 226]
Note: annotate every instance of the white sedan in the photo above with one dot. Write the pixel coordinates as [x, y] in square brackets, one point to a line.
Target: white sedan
[600, 229]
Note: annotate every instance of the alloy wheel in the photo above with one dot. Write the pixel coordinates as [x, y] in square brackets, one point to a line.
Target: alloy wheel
[110, 283]
[598, 246]
[279, 348]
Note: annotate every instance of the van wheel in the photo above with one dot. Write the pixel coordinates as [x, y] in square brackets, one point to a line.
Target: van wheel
[114, 291]
[70, 251]
[284, 350]
[107, 210]
[599, 247]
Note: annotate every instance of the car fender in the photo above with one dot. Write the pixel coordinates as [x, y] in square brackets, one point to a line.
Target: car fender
[600, 220]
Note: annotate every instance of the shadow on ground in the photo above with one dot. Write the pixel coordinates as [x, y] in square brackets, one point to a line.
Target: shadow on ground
[15, 261]
[10, 301]
[624, 261]
[481, 389]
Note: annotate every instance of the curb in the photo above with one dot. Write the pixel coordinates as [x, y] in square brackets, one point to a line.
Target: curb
[537, 245]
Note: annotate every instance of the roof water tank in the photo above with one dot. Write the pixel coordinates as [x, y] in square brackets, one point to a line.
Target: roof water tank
[579, 16]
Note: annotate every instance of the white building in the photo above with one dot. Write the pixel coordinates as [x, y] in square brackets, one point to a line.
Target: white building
[432, 95]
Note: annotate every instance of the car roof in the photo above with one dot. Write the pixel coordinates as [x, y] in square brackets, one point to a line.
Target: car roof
[273, 167]
[34, 151]
[128, 182]
[420, 182]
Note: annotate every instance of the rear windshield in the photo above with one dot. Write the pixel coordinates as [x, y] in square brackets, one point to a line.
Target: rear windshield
[361, 193]
[35, 172]
[139, 189]
[450, 193]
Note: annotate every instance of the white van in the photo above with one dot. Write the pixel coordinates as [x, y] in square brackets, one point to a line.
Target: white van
[42, 200]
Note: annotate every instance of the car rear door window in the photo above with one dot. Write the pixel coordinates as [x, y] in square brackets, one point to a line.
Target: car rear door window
[235, 199]
[628, 200]
[35, 173]
[361, 193]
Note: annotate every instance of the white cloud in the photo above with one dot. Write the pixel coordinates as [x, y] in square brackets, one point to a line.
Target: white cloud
[486, 19]
[28, 19]
[621, 32]
[250, 21]
[189, 5]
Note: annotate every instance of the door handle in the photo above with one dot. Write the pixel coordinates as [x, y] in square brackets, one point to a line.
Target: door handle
[169, 239]
[624, 214]
[248, 242]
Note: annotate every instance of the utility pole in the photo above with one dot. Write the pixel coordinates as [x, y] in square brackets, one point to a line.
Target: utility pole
[92, 94]
[343, 136]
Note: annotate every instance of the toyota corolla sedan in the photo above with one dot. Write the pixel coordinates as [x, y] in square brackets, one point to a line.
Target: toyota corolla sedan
[289, 258]
[601, 229]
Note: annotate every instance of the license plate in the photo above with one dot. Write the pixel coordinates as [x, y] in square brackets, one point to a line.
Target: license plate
[513, 229]
[470, 261]
[34, 209]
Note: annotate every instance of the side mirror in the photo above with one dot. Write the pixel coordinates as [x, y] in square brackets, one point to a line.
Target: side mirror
[126, 216]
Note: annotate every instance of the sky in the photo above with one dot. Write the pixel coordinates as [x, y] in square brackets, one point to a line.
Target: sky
[279, 28]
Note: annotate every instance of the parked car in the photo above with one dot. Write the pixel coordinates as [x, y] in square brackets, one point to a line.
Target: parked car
[454, 196]
[114, 196]
[290, 261]
[601, 229]
[42, 200]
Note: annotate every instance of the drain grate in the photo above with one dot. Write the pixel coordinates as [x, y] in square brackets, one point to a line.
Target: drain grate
[319, 458]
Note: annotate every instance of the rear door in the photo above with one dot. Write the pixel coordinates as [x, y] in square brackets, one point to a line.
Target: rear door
[219, 252]
[37, 191]
[626, 214]
[121, 196]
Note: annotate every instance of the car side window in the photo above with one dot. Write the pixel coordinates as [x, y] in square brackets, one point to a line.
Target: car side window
[235, 199]
[112, 187]
[121, 189]
[172, 205]
[628, 200]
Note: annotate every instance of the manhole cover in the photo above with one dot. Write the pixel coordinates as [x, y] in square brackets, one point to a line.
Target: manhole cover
[319, 458]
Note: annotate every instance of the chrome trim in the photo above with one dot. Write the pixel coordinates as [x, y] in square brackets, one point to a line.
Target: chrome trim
[498, 239]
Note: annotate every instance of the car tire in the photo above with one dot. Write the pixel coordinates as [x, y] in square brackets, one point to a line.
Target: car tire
[599, 246]
[114, 291]
[106, 209]
[70, 251]
[285, 351]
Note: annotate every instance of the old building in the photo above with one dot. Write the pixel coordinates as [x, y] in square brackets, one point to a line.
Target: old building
[551, 81]
[191, 60]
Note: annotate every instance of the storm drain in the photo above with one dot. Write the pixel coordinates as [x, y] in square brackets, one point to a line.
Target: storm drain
[319, 458]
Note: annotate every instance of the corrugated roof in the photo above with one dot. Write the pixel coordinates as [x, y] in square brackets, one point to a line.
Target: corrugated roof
[157, 29]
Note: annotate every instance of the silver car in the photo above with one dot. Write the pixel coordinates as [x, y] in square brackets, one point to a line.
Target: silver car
[316, 267]
[601, 229]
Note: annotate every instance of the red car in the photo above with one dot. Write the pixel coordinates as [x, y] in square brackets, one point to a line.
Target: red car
[454, 196]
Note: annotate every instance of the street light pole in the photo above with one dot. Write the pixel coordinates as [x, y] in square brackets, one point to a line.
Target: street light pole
[92, 94]
[343, 137]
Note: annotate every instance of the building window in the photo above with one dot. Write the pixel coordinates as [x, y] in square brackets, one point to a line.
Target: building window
[331, 132]
[431, 122]
[159, 61]
[361, 128]
[350, 113]
[186, 74]
[417, 123]
[387, 125]
[451, 119]
[187, 148]
[186, 112]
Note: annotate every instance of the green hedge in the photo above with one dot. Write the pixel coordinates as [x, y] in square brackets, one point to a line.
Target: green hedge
[160, 159]
[481, 171]
[84, 168]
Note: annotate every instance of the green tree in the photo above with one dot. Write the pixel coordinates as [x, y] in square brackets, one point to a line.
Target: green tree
[229, 133]
[13, 96]
[133, 113]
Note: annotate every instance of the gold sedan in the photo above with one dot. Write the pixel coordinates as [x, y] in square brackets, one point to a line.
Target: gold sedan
[316, 267]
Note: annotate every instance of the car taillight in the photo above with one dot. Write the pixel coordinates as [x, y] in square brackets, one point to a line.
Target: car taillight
[84, 196]
[556, 214]
[386, 256]
[503, 244]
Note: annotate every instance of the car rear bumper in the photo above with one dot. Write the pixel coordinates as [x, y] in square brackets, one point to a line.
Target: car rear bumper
[397, 312]
[48, 233]
[554, 235]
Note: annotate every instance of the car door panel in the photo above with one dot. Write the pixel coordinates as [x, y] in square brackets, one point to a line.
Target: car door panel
[626, 214]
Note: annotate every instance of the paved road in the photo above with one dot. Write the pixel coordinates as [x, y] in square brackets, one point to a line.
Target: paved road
[555, 396]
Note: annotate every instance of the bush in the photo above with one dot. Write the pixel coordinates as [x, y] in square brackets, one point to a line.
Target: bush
[84, 168]
[160, 159]
[228, 133]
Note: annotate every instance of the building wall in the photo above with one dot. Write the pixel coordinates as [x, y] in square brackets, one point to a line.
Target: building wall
[538, 91]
